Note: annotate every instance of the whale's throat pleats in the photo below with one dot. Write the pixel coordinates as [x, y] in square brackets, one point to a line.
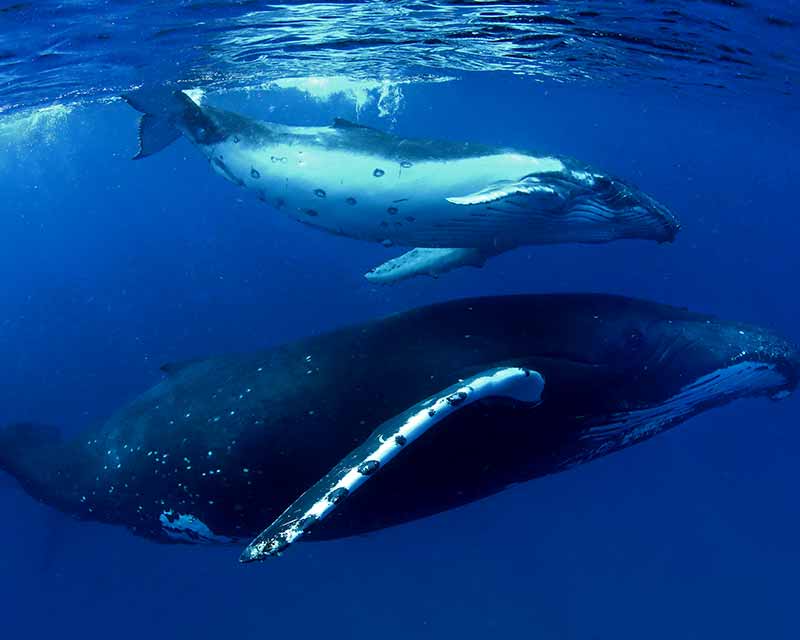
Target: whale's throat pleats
[623, 429]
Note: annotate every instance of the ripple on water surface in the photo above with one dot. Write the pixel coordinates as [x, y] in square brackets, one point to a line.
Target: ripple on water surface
[66, 51]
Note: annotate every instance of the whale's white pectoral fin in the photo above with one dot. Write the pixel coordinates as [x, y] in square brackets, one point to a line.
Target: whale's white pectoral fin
[389, 439]
[426, 262]
[526, 187]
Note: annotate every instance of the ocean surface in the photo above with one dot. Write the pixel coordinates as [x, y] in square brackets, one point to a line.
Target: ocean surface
[111, 267]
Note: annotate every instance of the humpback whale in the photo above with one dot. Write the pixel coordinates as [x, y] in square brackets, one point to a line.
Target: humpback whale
[396, 419]
[457, 204]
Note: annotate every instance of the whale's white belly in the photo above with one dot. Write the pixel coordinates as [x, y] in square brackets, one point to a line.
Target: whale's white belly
[369, 196]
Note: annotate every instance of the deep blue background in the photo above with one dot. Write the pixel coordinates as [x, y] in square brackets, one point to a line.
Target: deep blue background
[111, 267]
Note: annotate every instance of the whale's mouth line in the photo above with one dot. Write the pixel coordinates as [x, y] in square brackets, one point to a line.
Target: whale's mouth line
[634, 222]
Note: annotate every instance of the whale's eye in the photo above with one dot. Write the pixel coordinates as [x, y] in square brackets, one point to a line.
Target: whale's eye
[602, 182]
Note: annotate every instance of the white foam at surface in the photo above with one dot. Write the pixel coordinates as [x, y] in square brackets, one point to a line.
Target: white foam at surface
[42, 124]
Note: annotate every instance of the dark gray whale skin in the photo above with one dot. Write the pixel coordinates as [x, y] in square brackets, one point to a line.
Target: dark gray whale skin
[234, 439]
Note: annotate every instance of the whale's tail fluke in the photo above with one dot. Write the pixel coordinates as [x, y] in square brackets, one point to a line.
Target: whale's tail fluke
[166, 114]
[23, 449]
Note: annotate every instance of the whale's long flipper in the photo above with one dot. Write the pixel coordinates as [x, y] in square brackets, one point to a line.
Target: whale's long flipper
[546, 197]
[427, 262]
[391, 437]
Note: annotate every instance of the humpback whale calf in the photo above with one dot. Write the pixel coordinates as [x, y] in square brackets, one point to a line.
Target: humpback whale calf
[395, 419]
[456, 203]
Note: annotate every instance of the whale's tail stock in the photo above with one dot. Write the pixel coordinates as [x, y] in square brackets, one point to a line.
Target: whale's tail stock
[24, 449]
[166, 114]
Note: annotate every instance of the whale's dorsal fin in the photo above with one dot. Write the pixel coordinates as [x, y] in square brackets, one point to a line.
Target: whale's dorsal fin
[391, 437]
[171, 368]
[341, 123]
[529, 186]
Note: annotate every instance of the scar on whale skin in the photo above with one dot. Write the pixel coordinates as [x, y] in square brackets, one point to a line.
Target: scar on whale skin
[368, 467]
[227, 172]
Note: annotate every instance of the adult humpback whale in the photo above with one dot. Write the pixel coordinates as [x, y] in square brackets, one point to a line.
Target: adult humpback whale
[405, 417]
[457, 203]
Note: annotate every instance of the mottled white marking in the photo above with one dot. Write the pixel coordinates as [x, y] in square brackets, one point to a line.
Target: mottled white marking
[512, 383]
[584, 176]
[196, 94]
[188, 528]
[748, 377]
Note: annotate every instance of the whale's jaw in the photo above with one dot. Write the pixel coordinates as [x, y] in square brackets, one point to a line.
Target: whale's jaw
[743, 379]
[613, 204]
[700, 365]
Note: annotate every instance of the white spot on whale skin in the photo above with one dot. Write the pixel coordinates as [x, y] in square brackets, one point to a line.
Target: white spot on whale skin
[187, 528]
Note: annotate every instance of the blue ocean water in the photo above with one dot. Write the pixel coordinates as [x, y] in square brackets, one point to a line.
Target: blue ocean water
[112, 267]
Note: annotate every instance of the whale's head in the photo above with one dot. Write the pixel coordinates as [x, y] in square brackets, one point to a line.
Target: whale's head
[712, 360]
[665, 365]
[617, 209]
